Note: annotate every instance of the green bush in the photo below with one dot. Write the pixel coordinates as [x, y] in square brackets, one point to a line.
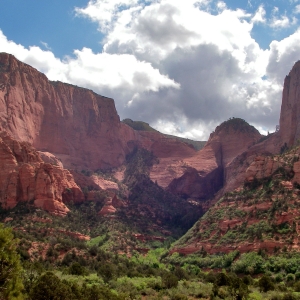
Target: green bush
[266, 284]
[49, 286]
[77, 269]
[249, 263]
[290, 277]
[169, 280]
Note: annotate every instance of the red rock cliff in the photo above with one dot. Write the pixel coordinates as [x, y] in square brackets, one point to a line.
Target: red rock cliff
[290, 107]
[204, 174]
[78, 126]
[24, 177]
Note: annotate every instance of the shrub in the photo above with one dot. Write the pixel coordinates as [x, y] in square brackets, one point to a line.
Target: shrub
[297, 287]
[290, 277]
[289, 296]
[265, 284]
[249, 263]
[49, 286]
[221, 279]
[77, 269]
[169, 280]
[179, 296]
[278, 277]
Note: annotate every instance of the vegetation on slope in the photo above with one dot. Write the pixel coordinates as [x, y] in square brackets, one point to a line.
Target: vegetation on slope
[236, 124]
[87, 256]
[139, 125]
[264, 214]
[87, 272]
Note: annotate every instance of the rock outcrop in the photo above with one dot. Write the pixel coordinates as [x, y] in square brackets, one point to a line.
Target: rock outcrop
[261, 192]
[24, 177]
[204, 174]
[290, 108]
[75, 128]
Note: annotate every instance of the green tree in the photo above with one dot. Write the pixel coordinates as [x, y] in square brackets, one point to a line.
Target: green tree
[265, 283]
[77, 269]
[11, 285]
[169, 280]
[50, 287]
[106, 271]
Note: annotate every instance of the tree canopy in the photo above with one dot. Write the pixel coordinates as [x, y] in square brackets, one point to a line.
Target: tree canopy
[10, 267]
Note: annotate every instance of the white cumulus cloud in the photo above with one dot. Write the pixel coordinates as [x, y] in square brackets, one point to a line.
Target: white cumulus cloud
[179, 65]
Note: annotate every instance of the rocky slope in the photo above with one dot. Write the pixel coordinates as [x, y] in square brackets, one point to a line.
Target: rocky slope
[287, 136]
[144, 186]
[139, 177]
[25, 177]
[262, 214]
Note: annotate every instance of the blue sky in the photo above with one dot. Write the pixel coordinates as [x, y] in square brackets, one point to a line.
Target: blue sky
[53, 22]
[184, 66]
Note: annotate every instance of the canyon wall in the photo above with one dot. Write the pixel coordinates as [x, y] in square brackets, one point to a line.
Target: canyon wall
[75, 128]
[75, 124]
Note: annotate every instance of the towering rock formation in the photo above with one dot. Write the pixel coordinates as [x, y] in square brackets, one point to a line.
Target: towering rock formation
[78, 126]
[263, 182]
[204, 174]
[290, 108]
[287, 136]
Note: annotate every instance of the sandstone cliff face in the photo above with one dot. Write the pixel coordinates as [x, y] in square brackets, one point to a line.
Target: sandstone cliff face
[235, 172]
[78, 129]
[75, 124]
[290, 108]
[24, 177]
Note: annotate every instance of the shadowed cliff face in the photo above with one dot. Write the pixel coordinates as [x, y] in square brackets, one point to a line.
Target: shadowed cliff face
[77, 125]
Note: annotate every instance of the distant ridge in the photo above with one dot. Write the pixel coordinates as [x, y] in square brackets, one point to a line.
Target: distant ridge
[143, 126]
